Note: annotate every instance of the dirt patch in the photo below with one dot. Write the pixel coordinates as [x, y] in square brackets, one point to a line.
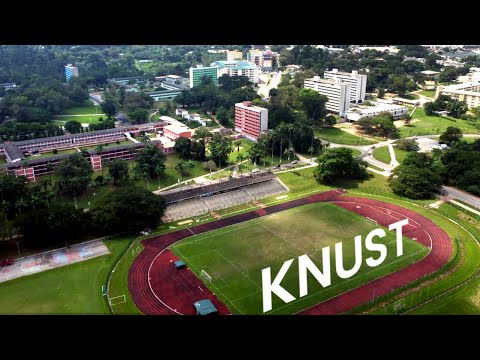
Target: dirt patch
[400, 123]
[469, 219]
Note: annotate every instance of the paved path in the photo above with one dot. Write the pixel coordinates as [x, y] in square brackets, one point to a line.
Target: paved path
[52, 259]
[461, 195]
[393, 162]
[465, 207]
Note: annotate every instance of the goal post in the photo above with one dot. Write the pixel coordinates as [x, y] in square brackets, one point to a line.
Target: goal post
[399, 305]
[205, 276]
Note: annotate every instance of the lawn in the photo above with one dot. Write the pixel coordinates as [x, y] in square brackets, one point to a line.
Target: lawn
[433, 125]
[356, 152]
[428, 93]
[72, 289]
[338, 136]
[400, 154]
[112, 144]
[235, 266]
[88, 108]
[84, 119]
[470, 140]
[382, 154]
[50, 153]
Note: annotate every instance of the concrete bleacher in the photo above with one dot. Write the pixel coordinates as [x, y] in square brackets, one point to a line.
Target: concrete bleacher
[201, 205]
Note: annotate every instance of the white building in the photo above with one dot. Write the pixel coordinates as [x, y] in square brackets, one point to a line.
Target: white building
[234, 55]
[8, 86]
[338, 93]
[358, 82]
[467, 92]
[238, 68]
[359, 111]
[174, 79]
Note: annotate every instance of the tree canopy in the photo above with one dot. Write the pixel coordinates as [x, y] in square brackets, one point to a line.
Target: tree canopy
[338, 164]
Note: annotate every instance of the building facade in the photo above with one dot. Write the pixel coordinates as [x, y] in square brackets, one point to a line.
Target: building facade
[197, 73]
[250, 121]
[8, 86]
[467, 92]
[357, 81]
[70, 71]
[255, 57]
[234, 55]
[238, 68]
[338, 93]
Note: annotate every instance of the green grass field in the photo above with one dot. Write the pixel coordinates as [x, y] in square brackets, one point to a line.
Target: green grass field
[235, 266]
[84, 119]
[71, 289]
[88, 108]
[400, 154]
[428, 93]
[338, 136]
[382, 154]
[470, 140]
[433, 125]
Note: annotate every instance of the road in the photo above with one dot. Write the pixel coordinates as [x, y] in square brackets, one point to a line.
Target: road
[264, 90]
[96, 98]
[461, 195]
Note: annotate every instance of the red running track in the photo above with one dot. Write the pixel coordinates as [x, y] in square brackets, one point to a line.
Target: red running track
[154, 296]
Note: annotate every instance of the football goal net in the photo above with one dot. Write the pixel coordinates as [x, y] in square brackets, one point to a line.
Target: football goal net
[205, 276]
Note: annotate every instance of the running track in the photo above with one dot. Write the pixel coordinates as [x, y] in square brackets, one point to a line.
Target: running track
[420, 228]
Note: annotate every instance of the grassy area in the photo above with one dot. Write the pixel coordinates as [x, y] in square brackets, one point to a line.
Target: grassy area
[50, 153]
[470, 140]
[3, 160]
[375, 167]
[86, 109]
[400, 154]
[86, 119]
[155, 117]
[112, 144]
[356, 152]
[235, 266]
[72, 289]
[428, 93]
[382, 154]
[432, 125]
[410, 96]
[338, 136]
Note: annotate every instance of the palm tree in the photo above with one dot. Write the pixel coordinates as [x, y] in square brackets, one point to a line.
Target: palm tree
[190, 165]
[144, 138]
[180, 167]
[99, 149]
[49, 168]
[240, 158]
[5, 205]
[158, 171]
[237, 144]
[310, 150]
[19, 204]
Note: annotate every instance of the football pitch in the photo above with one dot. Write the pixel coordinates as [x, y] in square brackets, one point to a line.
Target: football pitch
[234, 256]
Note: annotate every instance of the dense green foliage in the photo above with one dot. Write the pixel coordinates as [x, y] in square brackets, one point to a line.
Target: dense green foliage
[339, 164]
[380, 125]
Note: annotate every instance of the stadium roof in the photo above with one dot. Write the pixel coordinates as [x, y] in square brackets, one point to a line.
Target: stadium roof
[205, 307]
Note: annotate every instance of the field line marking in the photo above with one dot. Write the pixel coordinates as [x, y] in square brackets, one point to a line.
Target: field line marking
[248, 277]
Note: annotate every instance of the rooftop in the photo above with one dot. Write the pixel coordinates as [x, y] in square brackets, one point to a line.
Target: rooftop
[13, 152]
[205, 307]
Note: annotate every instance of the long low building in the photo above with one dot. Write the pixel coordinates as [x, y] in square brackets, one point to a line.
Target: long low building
[467, 92]
[363, 111]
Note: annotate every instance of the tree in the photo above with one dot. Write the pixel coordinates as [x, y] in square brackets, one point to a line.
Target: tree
[74, 174]
[138, 116]
[430, 108]
[99, 149]
[256, 152]
[180, 166]
[338, 164]
[237, 144]
[380, 92]
[110, 106]
[73, 127]
[240, 158]
[407, 144]
[330, 120]
[222, 115]
[148, 159]
[183, 147]
[137, 100]
[313, 104]
[128, 208]
[414, 182]
[118, 170]
[220, 147]
[451, 135]
[203, 136]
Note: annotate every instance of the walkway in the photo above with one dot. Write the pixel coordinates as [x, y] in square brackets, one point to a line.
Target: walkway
[52, 259]
[129, 137]
[465, 207]
[458, 194]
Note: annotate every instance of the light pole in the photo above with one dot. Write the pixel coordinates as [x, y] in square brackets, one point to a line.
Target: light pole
[18, 248]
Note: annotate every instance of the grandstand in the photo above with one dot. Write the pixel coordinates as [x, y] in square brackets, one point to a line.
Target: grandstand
[221, 186]
[228, 193]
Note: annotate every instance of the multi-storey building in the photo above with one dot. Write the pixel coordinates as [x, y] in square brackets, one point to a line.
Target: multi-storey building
[361, 111]
[197, 73]
[338, 93]
[255, 57]
[357, 81]
[234, 55]
[70, 71]
[467, 92]
[250, 121]
[238, 68]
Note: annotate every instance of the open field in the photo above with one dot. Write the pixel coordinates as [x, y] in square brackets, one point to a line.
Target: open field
[428, 93]
[382, 154]
[72, 289]
[235, 266]
[338, 136]
[433, 125]
[84, 119]
[88, 108]
[50, 153]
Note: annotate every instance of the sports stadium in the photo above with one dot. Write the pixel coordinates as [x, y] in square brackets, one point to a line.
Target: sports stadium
[221, 260]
